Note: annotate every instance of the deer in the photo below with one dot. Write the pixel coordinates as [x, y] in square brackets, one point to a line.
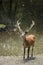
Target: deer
[28, 40]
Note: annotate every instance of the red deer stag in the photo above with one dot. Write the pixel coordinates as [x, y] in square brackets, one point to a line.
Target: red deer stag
[28, 40]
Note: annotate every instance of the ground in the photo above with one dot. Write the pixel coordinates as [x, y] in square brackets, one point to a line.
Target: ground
[15, 60]
[10, 44]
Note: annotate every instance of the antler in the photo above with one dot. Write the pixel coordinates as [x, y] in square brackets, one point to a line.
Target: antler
[33, 23]
[18, 25]
[20, 30]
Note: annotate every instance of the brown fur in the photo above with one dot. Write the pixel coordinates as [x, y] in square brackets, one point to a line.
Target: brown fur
[28, 42]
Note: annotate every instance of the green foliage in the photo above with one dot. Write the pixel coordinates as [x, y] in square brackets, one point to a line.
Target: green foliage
[2, 26]
[27, 10]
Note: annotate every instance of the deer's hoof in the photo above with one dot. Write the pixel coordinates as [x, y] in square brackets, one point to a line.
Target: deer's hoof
[23, 58]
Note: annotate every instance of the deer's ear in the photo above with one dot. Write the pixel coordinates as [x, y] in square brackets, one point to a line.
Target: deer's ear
[15, 30]
[23, 33]
[26, 32]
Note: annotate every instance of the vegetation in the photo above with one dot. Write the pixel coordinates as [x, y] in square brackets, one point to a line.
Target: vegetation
[10, 12]
[27, 10]
[2, 26]
[11, 44]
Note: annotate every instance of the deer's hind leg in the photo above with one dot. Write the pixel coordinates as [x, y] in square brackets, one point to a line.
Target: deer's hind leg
[24, 53]
[32, 51]
[28, 52]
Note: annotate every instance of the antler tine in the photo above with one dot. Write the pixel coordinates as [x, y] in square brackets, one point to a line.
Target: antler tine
[18, 23]
[33, 22]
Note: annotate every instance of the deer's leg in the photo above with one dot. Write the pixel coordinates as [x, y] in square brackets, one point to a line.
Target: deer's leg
[24, 53]
[32, 51]
[28, 52]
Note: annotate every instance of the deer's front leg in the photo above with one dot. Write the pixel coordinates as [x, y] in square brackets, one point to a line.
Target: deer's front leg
[28, 52]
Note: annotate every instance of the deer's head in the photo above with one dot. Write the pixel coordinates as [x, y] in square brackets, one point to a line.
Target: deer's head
[21, 31]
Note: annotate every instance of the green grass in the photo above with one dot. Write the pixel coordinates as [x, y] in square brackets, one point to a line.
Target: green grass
[39, 44]
[11, 44]
[2, 26]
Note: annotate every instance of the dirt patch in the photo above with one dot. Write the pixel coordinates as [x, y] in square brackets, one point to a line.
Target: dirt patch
[15, 60]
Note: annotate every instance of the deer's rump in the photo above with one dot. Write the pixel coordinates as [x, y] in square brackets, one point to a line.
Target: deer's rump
[29, 40]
